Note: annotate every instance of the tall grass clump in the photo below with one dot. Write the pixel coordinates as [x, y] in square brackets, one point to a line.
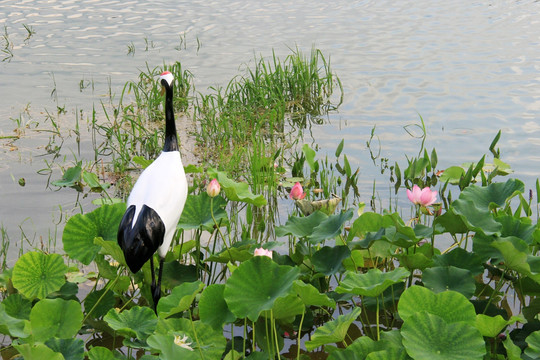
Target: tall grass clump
[266, 103]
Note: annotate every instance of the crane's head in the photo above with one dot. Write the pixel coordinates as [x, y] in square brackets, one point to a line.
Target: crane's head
[166, 79]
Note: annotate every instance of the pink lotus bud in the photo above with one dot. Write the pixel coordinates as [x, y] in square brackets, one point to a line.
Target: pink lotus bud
[297, 193]
[263, 252]
[424, 197]
[213, 188]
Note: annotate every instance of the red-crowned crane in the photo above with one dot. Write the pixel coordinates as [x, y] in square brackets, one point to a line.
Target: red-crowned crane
[156, 202]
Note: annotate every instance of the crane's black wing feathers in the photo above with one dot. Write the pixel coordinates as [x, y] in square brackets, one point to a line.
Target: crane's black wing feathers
[141, 241]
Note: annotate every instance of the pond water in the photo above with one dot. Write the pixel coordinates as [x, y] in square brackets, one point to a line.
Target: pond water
[469, 68]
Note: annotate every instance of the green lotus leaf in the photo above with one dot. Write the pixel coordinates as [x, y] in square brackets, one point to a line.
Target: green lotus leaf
[462, 259]
[429, 337]
[256, 284]
[451, 222]
[99, 302]
[311, 296]
[175, 274]
[533, 342]
[208, 343]
[37, 352]
[451, 306]
[491, 326]
[373, 283]
[414, 261]
[518, 227]
[17, 306]
[213, 309]
[237, 191]
[100, 353]
[169, 350]
[137, 322]
[180, 299]
[36, 274]
[55, 318]
[82, 229]
[12, 326]
[333, 331]
[301, 226]
[285, 308]
[475, 217]
[330, 227]
[328, 259]
[70, 178]
[443, 278]
[198, 212]
[355, 261]
[494, 195]
[367, 222]
[452, 174]
[514, 252]
[513, 352]
[359, 349]
[111, 247]
[232, 254]
[71, 349]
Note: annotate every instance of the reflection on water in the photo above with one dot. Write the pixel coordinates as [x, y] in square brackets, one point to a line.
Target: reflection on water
[468, 68]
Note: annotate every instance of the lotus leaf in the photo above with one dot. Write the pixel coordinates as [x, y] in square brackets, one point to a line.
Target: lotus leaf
[372, 283]
[256, 284]
[36, 274]
[137, 322]
[81, 230]
[333, 331]
[429, 337]
[55, 318]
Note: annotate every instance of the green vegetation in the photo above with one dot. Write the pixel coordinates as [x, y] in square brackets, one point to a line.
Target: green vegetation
[458, 279]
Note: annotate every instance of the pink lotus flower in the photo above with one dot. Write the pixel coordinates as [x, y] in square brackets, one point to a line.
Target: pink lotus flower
[297, 193]
[213, 188]
[424, 197]
[263, 252]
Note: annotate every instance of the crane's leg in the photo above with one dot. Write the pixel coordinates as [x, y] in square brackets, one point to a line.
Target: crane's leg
[156, 288]
[153, 285]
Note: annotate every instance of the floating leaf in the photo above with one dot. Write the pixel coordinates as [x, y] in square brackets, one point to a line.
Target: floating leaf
[10, 325]
[71, 349]
[428, 336]
[198, 210]
[327, 260]
[206, 342]
[311, 296]
[82, 229]
[333, 331]
[451, 306]
[36, 274]
[70, 178]
[533, 350]
[55, 318]
[100, 353]
[330, 227]
[443, 278]
[99, 302]
[37, 352]
[371, 283]
[180, 299]
[256, 284]
[462, 259]
[491, 326]
[301, 226]
[137, 322]
[213, 309]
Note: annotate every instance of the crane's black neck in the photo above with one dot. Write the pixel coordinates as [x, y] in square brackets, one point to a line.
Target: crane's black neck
[171, 141]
